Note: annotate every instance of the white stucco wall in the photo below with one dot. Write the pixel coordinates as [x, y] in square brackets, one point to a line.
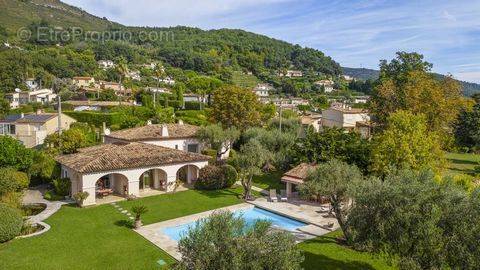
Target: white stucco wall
[87, 182]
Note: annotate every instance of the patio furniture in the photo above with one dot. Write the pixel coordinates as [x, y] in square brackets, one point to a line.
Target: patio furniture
[283, 195]
[273, 195]
[104, 192]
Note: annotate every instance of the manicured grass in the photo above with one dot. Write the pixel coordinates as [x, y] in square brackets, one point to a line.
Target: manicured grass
[269, 180]
[325, 253]
[98, 237]
[462, 163]
[169, 206]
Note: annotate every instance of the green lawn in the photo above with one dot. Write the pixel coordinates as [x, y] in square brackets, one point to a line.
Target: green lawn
[325, 253]
[462, 163]
[169, 206]
[97, 237]
[269, 180]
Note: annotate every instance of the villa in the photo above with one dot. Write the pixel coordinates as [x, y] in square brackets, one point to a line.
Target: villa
[263, 89]
[17, 98]
[128, 169]
[83, 81]
[175, 136]
[340, 115]
[326, 84]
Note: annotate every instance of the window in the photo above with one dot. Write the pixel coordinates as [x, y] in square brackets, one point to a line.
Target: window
[176, 146]
[193, 148]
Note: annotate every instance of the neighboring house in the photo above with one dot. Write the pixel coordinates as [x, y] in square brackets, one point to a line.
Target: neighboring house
[360, 99]
[168, 80]
[83, 81]
[32, 84]
[32, 129]
[176, 136]
[119, 89]
[348, 78]
[130, 168]
[134, 75]
[295, 177]
[158, 90]
[326, 84]
[313, 120]
[343, 116]
[152, 66]
[263, 89]
[106, 64]
[286, 103]
[18, 98]
[291, 73]
[194, 97]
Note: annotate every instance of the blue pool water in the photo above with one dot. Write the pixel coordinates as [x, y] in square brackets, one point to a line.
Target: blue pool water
[250, 216]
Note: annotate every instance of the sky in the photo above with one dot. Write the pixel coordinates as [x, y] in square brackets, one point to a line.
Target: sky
[354, 33]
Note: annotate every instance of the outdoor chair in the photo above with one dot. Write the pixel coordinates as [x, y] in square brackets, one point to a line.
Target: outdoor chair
[273, 195]
[283, 196]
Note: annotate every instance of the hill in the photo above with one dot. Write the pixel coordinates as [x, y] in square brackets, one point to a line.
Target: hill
[15, 14]
[365, 74]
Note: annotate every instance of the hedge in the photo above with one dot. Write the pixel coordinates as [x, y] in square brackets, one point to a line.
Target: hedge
[96, 118]
[192, 105]
[214, 177]
[10, 223]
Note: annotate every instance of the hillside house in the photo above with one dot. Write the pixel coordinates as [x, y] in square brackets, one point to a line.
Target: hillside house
[263, 89]
[106, 64]
[83, 82]
[343, 116]
[32, 129]
[291, 73]
[328, 85]
[43, 96]
[32, 84]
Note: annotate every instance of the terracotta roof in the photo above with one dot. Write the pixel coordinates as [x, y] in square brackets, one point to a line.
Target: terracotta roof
[154, 132]
[298, 174]
[107, 157]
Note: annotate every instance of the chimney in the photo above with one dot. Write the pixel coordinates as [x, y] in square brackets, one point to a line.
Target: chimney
[22, 115]
[149, 122]
[180, 121]
[39, 111]
[164, 130]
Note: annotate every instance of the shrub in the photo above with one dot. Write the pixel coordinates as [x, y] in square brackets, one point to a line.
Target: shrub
[61, 186]
[52, 196]
[210, 152]
[192, 105]
[79, 197]
[210, 178]
[216, 177]
[12, 199]
[12, 180]
[230, 175]
[10, 223]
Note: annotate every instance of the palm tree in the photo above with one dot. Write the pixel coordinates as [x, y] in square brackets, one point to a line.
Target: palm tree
[159, 73]
[122, 70]
[139, 210]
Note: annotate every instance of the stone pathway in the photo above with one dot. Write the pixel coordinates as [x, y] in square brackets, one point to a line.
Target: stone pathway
[35, 196]
[122, 211]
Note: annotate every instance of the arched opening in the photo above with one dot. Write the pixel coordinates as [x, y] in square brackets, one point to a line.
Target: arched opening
[153, 179]
[111, 185]
[188, 173]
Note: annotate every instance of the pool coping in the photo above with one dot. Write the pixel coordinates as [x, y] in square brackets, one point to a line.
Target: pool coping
[152, 232]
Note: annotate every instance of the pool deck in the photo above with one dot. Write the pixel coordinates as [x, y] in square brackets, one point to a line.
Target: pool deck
[302, 211]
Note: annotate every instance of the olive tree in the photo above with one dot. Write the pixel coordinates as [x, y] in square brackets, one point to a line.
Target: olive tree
[225, 241]
[217, 138]
[332, 179]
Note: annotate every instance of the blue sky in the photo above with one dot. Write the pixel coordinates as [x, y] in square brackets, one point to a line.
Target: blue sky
[354, 33]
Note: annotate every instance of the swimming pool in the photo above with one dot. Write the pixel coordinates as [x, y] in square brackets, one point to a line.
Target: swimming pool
[250, 216]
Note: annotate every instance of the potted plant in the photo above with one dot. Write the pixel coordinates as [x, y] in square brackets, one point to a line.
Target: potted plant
[139, 210]
[79, 197]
